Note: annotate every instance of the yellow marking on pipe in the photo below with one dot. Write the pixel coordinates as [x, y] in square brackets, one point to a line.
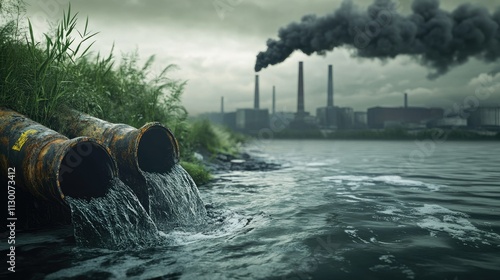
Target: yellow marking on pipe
[22, 139]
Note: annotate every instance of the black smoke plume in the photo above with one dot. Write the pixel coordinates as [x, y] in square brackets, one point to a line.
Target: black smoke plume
[436, 38]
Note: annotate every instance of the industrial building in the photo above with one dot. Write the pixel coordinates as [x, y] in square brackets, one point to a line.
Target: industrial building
[345, 118]
[450, 122]
[301, 114]
[360, 120]
[222, 118]
[410, 117]
[327, 116]
[484, 117]
[331, 116]
[252, 120]
[229, 120]
[303, 120]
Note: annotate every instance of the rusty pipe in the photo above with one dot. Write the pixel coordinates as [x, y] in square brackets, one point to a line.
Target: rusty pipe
[49, 165]
[151, 148]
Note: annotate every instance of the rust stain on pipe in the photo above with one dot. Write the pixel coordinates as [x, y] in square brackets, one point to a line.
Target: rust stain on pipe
[151, 148]
[49, 165]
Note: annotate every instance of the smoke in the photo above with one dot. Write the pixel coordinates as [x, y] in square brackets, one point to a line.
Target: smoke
[435, 38]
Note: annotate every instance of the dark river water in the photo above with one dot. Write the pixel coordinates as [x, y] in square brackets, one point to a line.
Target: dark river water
[335, 210]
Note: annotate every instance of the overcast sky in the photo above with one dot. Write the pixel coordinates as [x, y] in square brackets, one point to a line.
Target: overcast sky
[215, 43]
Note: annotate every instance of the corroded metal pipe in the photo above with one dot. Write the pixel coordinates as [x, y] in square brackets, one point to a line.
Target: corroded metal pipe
[49, 165]
[151, 148]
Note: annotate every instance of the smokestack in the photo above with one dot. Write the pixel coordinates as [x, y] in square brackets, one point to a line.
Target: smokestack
[256, 97]
[274, 100]
[330, 86]
[406, 100]
[300, 103]
[222, 105]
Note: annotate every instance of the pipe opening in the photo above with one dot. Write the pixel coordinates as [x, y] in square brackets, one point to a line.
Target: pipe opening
[86, 171]
[156, 151]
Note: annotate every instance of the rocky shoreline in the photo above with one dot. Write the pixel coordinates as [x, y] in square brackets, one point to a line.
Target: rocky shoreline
[222, 162]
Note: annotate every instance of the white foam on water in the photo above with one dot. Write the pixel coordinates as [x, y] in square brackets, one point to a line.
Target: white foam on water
[350, 183]
[440, 219]
[356, 199]
[393, 214]
[387, 258]
[374, 240]
[391, 210]
[459, 228]
[232, 223]
[398, 181]
[357, 181]
[432, 209]
[391, 264]
[353, 233]
[352, 178]
[317, 164]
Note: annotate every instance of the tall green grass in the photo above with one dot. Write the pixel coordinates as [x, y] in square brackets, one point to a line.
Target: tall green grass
[40, 78]
[35, 76]
[213, 139]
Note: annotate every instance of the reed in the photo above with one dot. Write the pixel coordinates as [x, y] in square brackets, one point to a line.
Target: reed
[39, 78]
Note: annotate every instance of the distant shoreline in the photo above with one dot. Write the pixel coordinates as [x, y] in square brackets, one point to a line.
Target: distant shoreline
[388, 139]
[389, 134]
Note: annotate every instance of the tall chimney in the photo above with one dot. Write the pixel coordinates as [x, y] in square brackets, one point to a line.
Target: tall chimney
[330, 87]
[256, 97]
[274, 100]
[222, 105]
[300, 103]
[406, 100]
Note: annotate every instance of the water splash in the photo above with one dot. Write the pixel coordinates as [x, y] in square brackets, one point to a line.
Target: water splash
[175, 200]
[116, 221]
[119, 221]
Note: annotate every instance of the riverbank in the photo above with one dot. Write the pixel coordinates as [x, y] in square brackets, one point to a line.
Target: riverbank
[392, 134]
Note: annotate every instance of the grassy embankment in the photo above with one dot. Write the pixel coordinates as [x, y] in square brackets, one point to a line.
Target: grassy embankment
[38, 78]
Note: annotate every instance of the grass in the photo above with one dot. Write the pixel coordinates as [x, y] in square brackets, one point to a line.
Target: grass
[197, 171]
[210, 138]
[39, 78]
[36, 77]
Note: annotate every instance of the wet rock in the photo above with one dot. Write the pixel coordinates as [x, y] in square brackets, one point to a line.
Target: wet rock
[244, 162]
